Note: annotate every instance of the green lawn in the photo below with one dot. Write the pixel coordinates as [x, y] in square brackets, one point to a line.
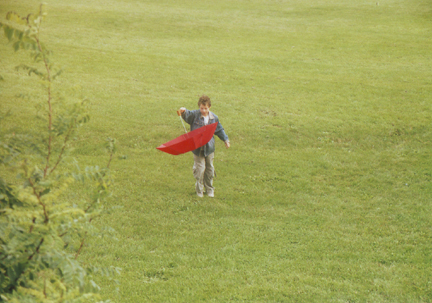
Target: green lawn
[325, 194]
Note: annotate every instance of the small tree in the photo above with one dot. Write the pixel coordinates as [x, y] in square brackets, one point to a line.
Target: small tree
[42, 231]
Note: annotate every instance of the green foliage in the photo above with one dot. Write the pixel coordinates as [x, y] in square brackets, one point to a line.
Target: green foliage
[324, 195]
[43, 230]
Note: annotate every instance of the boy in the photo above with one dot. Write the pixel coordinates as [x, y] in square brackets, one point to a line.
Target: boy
[203, 168]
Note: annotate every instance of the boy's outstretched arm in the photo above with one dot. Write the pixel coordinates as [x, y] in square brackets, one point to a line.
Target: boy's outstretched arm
[186, 115]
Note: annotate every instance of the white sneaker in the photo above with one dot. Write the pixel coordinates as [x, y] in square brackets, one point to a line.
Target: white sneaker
[200, 195]
[211, 195]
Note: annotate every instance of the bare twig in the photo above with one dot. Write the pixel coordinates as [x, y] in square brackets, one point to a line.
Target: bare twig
[50, 111]
[109, 162]
[44, 291]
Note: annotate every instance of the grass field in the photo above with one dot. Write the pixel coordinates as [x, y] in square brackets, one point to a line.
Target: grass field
[325, 193]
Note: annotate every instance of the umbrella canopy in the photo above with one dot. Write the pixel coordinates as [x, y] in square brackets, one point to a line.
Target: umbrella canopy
[190, 141]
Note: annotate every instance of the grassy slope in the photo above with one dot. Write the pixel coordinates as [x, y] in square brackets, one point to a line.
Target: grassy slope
[325, 193]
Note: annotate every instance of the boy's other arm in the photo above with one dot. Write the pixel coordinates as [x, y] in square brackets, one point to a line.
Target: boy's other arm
[222, 135]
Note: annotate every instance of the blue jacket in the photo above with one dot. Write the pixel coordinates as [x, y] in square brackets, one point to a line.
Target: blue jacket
[194, 118]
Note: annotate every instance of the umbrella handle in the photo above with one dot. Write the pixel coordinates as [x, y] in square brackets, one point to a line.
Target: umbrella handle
[179, 114]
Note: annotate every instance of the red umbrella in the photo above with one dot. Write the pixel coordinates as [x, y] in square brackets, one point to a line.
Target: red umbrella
[189, 141]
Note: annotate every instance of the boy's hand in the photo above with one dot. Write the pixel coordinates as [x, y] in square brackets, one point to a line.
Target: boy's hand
[227, 144]
[182, 110]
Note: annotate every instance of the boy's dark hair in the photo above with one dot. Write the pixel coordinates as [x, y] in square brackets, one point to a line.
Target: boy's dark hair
[204, 100]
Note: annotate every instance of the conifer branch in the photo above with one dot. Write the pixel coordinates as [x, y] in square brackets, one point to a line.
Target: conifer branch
[63, 148]
[37, 249]
[80, 248]
[39, 200]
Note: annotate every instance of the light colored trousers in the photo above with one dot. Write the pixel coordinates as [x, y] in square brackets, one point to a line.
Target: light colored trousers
[203, 171]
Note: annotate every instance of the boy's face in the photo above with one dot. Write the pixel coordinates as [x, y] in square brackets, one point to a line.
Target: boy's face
[204, 109]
